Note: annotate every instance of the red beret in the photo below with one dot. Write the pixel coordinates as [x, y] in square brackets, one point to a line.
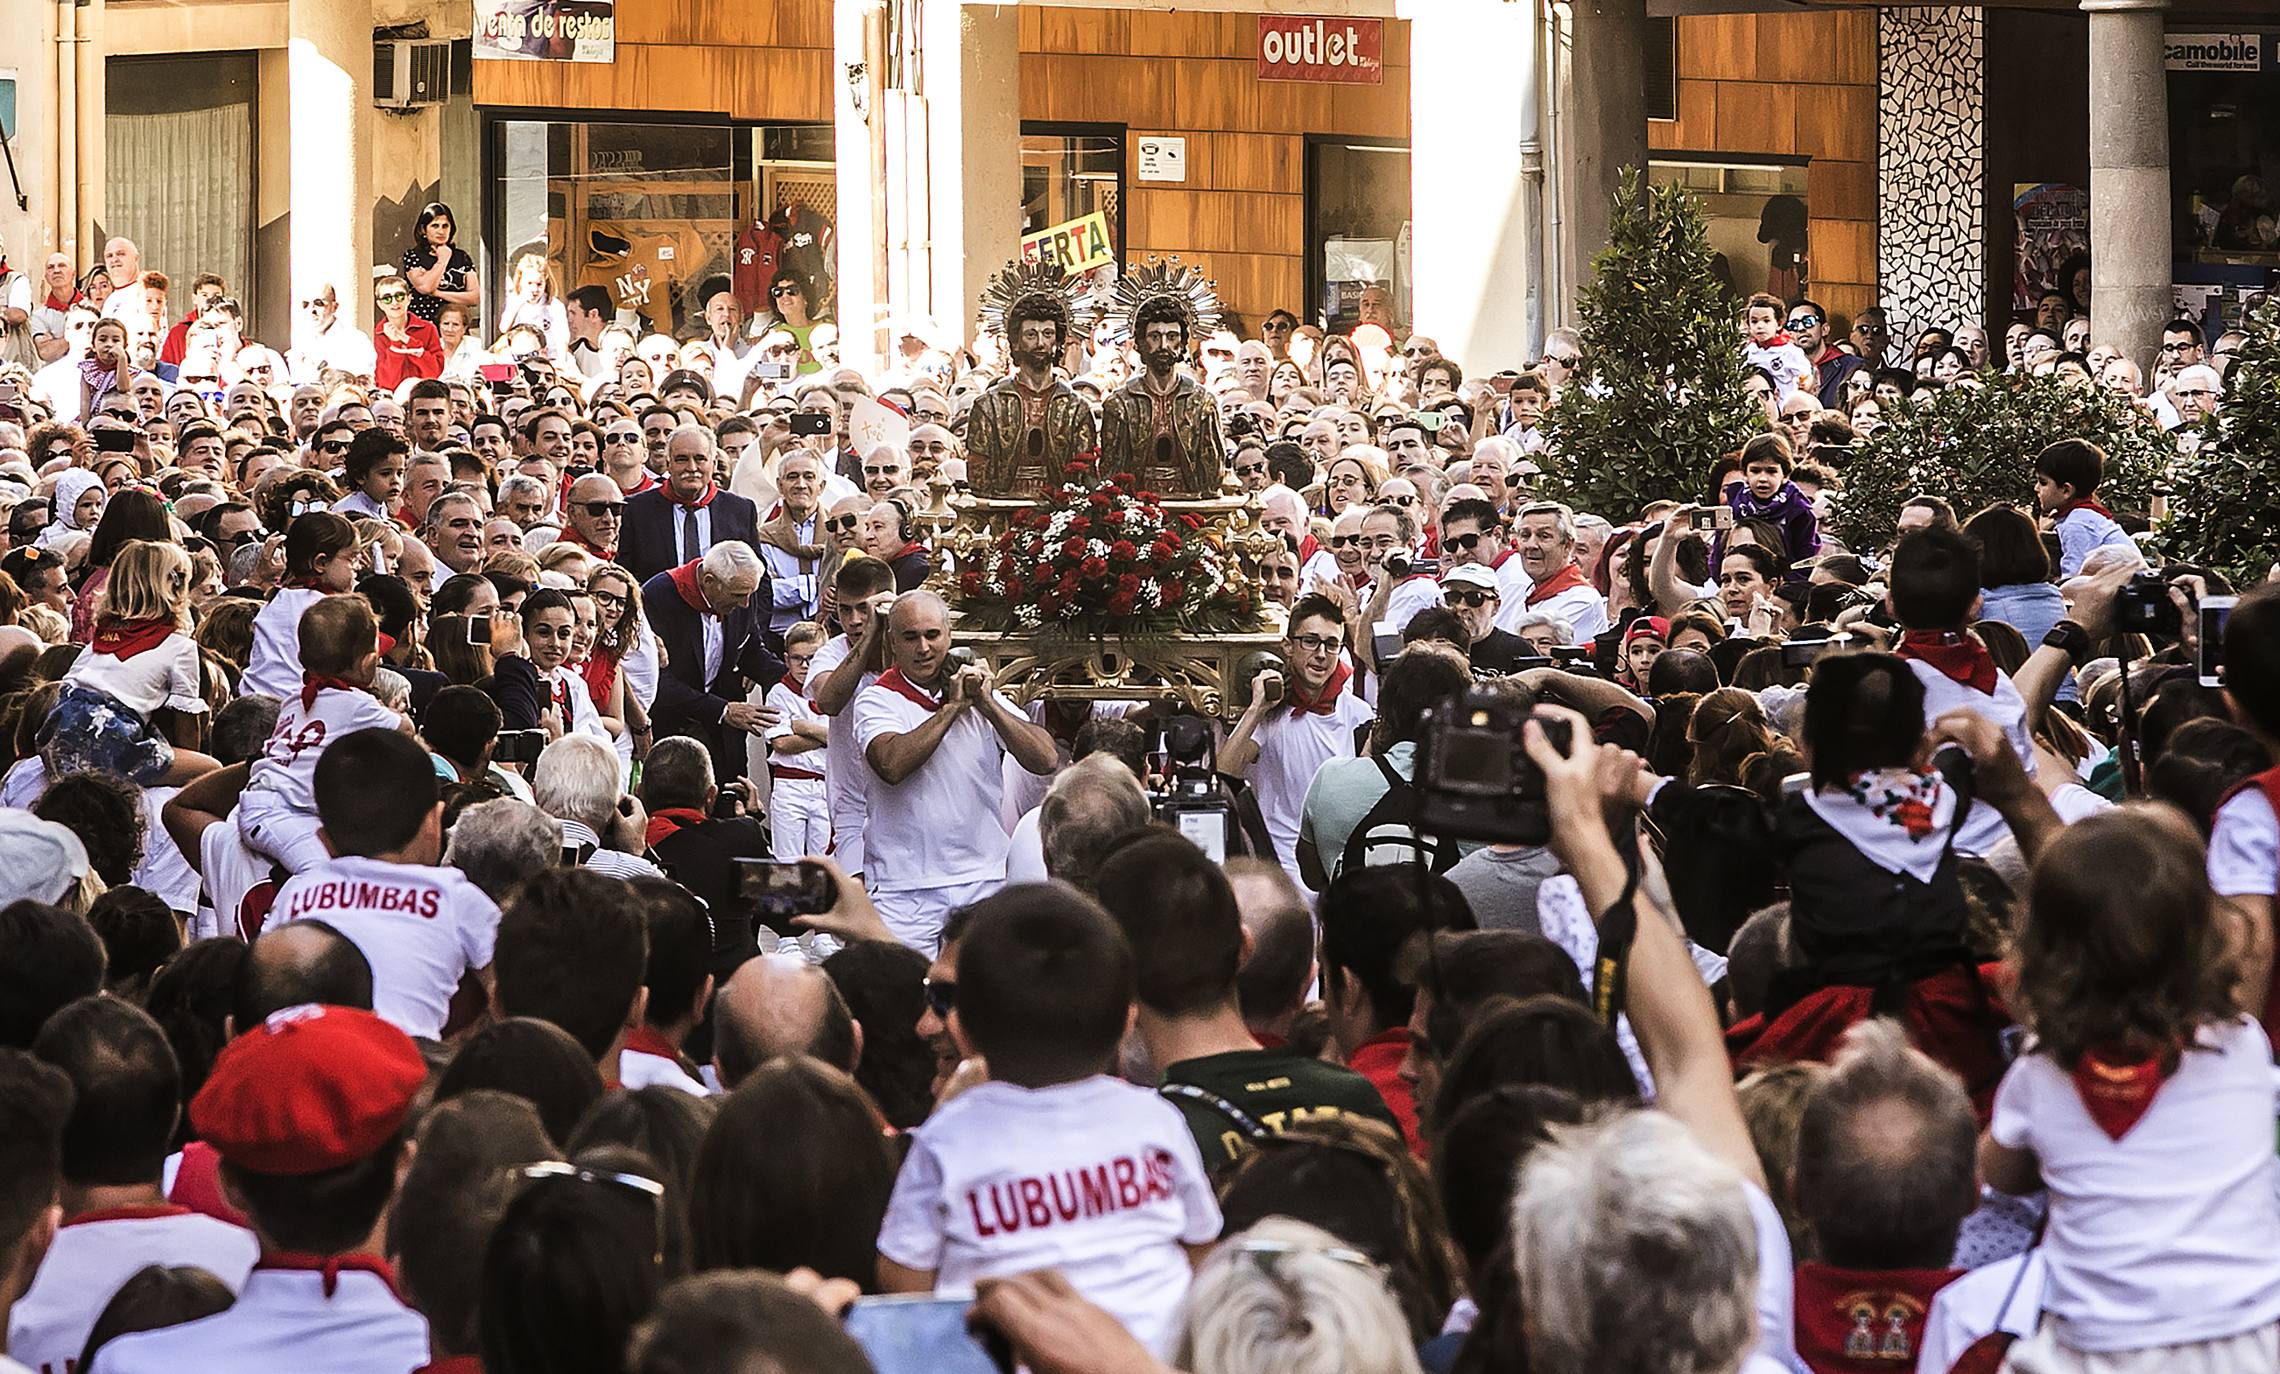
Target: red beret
[312, 1089]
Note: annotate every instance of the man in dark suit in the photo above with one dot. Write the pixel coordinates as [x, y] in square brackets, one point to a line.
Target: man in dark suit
[711, 616]
[675, 523]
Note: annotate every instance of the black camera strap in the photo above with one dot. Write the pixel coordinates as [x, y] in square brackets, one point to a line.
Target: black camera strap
[1617, 928]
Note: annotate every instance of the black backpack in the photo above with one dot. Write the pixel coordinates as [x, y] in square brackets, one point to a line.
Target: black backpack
[1392, 821]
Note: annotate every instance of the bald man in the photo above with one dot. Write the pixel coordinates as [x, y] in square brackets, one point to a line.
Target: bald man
[771, 1008]
[597, 510]
[935, 742]
[930, 447]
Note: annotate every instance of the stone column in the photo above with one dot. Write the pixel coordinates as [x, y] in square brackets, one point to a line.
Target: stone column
[329, 77]
[1478, 256]
[1604, 122]
[2129, 176]
[858, 96]
[971, 58]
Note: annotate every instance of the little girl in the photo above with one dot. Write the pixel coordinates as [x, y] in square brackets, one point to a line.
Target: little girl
[2144, 1103]
[140, 659]
[374, 470]
[320, 561]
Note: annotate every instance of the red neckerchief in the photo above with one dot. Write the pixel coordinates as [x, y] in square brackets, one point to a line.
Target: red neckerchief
[1780, 339]
[648, 483]
[149, 1211]
[1308, 547]
[561, 690]
[2117, 1090]
[198, 1184]
[313, 683]
[711, 490]
[643, 1040]
[453, 1364]
[570, 535]
[124, 639]
[670, 821]
[1327, 701]
[2083, 503]
[685, 582]
[906, 551]
[1956, 655]
[1566, 578]
[300, 584]
[1985, 1355]
[332, 1267]
[894, 681]
[1863, 1321]
[1498, 565]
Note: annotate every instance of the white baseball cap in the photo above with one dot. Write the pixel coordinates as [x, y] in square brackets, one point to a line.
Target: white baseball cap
[39, 860]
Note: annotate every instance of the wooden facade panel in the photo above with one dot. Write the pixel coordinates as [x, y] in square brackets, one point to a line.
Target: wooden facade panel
[1215, 95]
[1106, 32]
[1716, 46]
[1290, 107]
[783, 83]
[1171, 33]
[1756, 118]
[1381, 110]
[1214, 221]
[1837, 121]
[1841, 190]
[1843, 250]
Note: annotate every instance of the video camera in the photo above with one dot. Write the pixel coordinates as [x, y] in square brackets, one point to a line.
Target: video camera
[1475, 780]
[1194, 801]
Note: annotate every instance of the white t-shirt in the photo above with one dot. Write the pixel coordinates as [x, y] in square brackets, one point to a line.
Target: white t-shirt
[639, 1069]
[240, 886]
[163, 676]
[1786, 362]
[938, 827]
[285, 1320]
[1581, 606]
[2171, 1234]
[1097, 1179]
[274, 668]
[95, 1253]
[791, 705]
[565, 683]
[1410, 595]
[2244, 847]
[420, 928]
[2004, 1296]
[847, 779]
[1292, 748]
[1025, 849]
[285, 776]
[162, 871]
[1983, 828]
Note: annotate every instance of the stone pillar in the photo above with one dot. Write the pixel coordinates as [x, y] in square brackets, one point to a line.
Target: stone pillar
[329, 77]
[1931, 152]
[2129, 176]
[971, 59]
[1604, 122]
[857, 115]
[1478, 257]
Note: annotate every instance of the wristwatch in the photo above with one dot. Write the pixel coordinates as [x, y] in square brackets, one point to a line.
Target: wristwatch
[2070, 637]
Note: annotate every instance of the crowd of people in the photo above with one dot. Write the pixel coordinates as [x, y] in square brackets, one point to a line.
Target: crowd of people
[506, 864]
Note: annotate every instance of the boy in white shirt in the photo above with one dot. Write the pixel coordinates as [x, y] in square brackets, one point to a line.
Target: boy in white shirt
[2244, 845]
[799, 799]
[1054, 1163]
[1771, 349]
[340, 646]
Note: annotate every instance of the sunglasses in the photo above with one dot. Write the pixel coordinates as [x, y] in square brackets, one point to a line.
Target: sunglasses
[941, 995]
[1461, 543]
[391, 297]
[782, 291]
[1344, 541]
[1470, 598]
[598, 509]
[1403, 501]
[333, 446]
[842, 523]
[315, 302]
[1801, 321]
[1564, 359]
[870, 471]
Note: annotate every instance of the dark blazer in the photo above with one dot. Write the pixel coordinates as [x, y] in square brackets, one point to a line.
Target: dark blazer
[650, 540]
[687, 706]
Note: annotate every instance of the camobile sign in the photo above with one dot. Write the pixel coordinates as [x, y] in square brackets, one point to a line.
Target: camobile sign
[1296, 47]
[2214, 52]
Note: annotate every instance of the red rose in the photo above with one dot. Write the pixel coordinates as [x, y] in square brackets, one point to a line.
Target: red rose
[1163, 548]
[1101, 498]
[1120, 604]
[1093, 569]
[1080, 525]
[1146, 498]
[1048, 604]
[1129, 585]
[1173, 591]
[1123, 479]
[1123, 548]
[1043, 576]
[1077, 469]
[1114, 517]
[1068, 584]
[971, 584]
[1192, 522]
[1073, 548]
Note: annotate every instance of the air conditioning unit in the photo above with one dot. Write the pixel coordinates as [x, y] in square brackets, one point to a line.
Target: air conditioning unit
[410, 72]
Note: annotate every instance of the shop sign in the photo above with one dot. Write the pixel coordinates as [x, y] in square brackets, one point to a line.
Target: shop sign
[1163, 158]
[1297, 47]
[2213, 52]
[546, 30]
[1077, 245]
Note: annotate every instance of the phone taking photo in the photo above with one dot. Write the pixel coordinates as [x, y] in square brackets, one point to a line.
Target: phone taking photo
[2213, 615]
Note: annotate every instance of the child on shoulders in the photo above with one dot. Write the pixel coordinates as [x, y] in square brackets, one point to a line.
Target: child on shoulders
[140, 660]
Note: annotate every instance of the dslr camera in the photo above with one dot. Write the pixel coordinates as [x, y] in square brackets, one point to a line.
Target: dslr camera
[2143, 606]
[1474, 778]
[1194, 801]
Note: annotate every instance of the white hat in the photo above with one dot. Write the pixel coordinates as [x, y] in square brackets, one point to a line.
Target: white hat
[1470, 575]
[39, 860]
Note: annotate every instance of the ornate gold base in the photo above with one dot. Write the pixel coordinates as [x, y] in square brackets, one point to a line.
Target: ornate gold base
[1204, 673]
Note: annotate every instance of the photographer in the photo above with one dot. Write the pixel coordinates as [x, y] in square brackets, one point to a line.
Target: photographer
[698, 831]
[1278, 745]
[1389, 552]
[576, 782]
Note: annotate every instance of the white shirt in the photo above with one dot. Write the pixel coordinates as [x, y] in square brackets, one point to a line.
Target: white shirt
[638, 1069]
[847, 778]
[94, 1254]
[2004, 1296]
[2171, 1234]
[284, 1320]
[420, 928]
[162, 871]
[792, 705]
[1025, 849]
[2244, 848]
[938, 827]
[239, 886]
[1787, 364]
[567, 683]
[166, 675]
[357, 503]
[640, 667]
[1097, 1179]
[1983, 829]
[1291, 749]
[274, 667]
[1581, 606]
[344, 348]
[610, 863]
[1410, 595]
[285, 776]
[1512, 583]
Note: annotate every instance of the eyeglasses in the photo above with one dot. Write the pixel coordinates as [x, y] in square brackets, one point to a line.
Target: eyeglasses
[1250, 469]
[316, 302]
[1316, 644]
[1473, 597]
[602, 598]
[941, 996]
[598, 509]
[870, 471]
[842, 523]
[2196, 392]
[1803, 320]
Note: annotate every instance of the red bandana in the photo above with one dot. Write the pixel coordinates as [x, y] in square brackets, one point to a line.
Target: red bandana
[125, 638]
[894, 681]
[1569, 576]
[1956, 655]
[570, 535]
[313, 683]
[1864, 1321]
[906, 551]
[2083, 503]
[331, 1266]
[150, 1211]
[670, 821]
[700, 503]
[685, 582]
[643, 1040]
[1324, 704]
[2118, 1091]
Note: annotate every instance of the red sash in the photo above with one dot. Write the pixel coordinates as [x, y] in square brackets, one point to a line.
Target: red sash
[1324, 704]
[906, 551]
[685, 582]
[1864, 1321]
[124, 639]
[151, 1211]
[2116, 1091]
[1948, 1016]
[643, 1040]
[1956, 655]
[313, 683]
[894, 681]
[1565, 578]
[670, 821]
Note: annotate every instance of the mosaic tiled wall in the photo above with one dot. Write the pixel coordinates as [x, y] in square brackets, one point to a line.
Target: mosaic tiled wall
[1931, 249]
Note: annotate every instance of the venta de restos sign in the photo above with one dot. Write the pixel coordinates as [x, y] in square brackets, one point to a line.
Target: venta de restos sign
[1298, 47]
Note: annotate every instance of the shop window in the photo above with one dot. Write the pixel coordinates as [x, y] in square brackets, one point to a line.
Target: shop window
[1072, 198]
[664, 216]
[1757, 218]
[1357, 233]
[178, 149]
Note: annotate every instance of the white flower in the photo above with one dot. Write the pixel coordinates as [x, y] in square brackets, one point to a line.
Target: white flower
[1096, 548]
[1027, 615]
[1150, 593]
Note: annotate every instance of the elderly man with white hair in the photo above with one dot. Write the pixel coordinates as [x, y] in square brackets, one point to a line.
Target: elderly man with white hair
[711, 619]
[500, 842]
[576, 782]
[673, 524]
[2197, 391]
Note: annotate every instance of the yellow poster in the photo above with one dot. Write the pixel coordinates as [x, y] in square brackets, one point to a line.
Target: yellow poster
[1077, 245]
